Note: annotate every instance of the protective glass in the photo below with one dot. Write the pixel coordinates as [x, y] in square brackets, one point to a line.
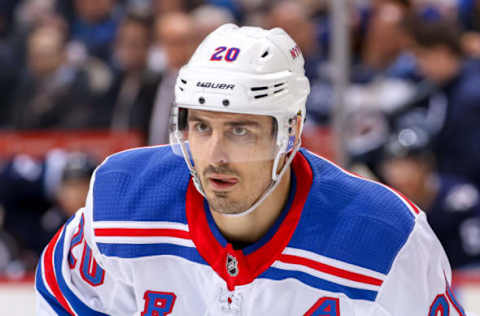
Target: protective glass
[222, 138]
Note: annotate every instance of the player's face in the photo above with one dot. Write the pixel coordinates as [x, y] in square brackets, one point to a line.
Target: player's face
[233, 155]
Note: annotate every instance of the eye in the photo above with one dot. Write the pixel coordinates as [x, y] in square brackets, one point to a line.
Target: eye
[239, 131]
[201, 127]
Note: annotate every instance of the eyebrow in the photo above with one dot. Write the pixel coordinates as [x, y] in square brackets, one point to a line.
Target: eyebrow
[243, 123]
[194, 118]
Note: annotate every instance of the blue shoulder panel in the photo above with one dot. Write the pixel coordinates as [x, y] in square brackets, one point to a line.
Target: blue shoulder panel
[351, 219]
[144, 184]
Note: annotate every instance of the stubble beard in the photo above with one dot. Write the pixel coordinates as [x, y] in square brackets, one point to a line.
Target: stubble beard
[224, 202]
[220, 202]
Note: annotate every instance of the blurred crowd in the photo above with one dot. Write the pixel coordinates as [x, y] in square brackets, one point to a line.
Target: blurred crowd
[412, 109]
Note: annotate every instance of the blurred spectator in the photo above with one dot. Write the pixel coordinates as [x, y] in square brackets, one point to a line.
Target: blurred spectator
[451, 203]
[10, 266]
[94, 24]
[7, 9]
[71, 193]
[208, 17]
[238, 8]
[129, 101]
[23, 199]
[471, 44]
[32, 13]
[384, 50]
[163, 7]
[296, 21]
[8, 58]
[51, 93]
[37, 196]
[29, 15]
[438, 51]
[176, 34]
[469, 14]
[294, 18]
[368, 111]
[18, 19]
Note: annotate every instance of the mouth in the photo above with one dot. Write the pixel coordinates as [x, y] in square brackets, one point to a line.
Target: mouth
[221, 183]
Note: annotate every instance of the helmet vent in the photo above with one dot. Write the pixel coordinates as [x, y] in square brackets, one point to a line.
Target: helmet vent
[182, 82]
[265, 54]
[269, 90]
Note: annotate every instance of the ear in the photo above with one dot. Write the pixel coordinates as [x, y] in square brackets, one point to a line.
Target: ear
[297, 129]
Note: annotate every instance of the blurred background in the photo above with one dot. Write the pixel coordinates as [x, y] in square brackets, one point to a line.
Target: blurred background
[395, 98]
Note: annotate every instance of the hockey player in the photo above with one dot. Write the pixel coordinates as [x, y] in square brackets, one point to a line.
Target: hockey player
[249, 224]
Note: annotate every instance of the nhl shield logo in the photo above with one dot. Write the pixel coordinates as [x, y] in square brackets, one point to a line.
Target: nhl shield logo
[232, 265]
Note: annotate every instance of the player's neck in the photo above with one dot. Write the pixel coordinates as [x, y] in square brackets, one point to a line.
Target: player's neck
[253, 226]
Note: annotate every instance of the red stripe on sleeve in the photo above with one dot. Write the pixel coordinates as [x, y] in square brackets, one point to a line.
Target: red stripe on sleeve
[330, 270]
[50, 273]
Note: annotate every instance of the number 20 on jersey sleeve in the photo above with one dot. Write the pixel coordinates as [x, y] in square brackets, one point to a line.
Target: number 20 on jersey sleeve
[90, 271]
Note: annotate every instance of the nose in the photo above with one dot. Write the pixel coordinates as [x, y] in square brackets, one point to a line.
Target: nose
[217, 154]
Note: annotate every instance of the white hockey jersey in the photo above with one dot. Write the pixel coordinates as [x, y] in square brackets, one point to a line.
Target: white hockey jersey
[146, 244]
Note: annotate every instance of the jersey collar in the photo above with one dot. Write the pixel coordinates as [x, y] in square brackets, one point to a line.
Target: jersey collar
[239, 267]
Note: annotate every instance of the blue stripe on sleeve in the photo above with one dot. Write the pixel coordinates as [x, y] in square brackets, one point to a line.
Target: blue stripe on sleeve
[353, 293]
[49, 298]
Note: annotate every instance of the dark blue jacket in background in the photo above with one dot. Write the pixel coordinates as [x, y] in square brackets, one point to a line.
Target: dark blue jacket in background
[457, 146]
[455, 218]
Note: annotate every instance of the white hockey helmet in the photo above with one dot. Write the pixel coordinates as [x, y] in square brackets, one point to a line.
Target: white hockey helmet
[245, 70]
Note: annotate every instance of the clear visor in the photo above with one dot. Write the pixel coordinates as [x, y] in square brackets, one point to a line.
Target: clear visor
[219, 138]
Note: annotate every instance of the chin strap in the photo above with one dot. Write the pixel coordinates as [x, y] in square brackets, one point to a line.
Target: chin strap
[186, 157]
